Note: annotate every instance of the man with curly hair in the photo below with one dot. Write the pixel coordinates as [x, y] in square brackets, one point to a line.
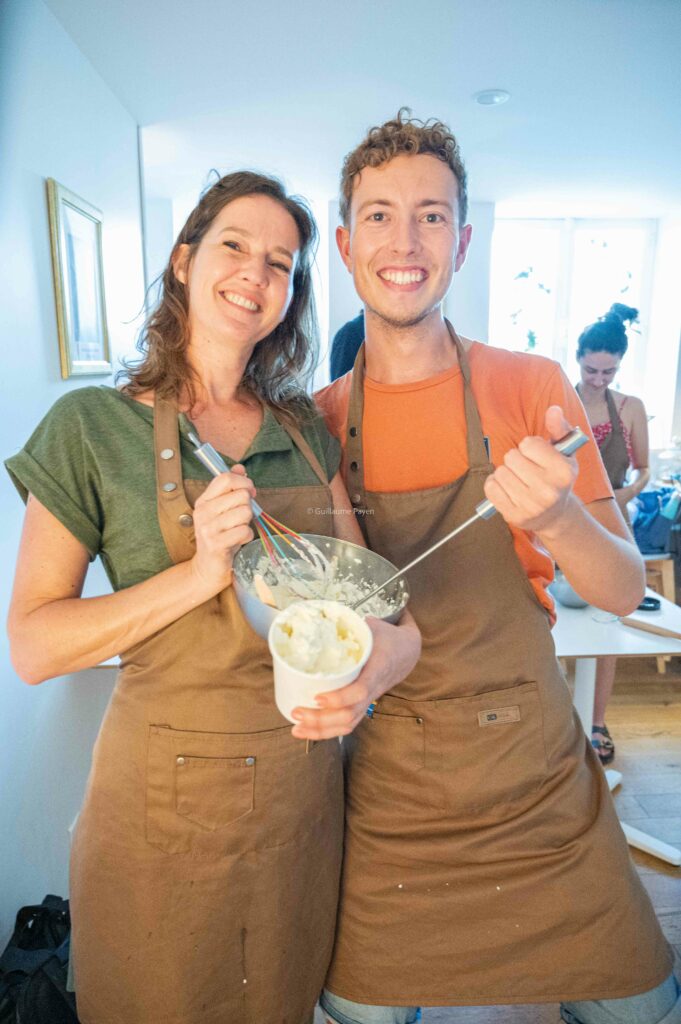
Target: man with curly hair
[484, 863]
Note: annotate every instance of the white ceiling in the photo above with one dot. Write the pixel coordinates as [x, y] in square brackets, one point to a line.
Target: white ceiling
[593, 120]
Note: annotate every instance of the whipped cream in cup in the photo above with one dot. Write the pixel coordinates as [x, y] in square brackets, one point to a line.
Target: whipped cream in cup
[316, 646]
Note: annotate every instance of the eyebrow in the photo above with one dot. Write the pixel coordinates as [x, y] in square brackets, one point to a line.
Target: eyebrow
[247, 234]
[423, 202]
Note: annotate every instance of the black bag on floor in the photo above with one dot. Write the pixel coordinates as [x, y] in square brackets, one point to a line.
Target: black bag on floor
[34, 966]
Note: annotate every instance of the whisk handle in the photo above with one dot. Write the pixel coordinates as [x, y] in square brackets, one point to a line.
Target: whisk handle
[567, 445]
[215, 464]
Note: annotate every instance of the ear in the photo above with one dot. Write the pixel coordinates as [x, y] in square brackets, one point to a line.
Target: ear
[180, 262]
[464, 242]
[343, 243]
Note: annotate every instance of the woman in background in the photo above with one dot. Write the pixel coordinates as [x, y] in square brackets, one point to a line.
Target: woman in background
[620, 427]
[205, 865]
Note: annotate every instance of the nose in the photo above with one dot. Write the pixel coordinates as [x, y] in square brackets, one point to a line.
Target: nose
[404, 239]
[254, 270]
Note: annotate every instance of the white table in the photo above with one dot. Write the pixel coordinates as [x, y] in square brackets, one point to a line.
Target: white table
[578, 635]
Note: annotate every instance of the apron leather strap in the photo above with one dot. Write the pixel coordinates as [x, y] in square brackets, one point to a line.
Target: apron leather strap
[475, 441]
[304, 448]
[615, 420]
[174, 511]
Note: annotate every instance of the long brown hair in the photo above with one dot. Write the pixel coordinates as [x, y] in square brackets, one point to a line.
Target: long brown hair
[281, 363]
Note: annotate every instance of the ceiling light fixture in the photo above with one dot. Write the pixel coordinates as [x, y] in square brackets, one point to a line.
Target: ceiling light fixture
[492, 97]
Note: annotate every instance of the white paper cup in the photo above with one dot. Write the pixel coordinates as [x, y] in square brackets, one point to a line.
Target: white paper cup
[294, 688]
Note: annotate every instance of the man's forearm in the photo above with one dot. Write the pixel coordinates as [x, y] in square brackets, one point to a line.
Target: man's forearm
[605, 569]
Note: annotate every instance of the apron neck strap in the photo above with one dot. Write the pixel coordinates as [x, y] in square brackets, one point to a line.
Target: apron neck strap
[615, 420]
[303, 447]
[354, 455]
[475, 439]
[613, 413]
[174, 511]
[475, 442]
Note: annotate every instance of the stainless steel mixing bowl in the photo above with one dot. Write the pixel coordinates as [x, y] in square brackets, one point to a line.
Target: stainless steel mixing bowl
[354, 562]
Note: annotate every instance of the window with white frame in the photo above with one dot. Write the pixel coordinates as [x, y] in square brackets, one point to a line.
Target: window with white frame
[550, 278]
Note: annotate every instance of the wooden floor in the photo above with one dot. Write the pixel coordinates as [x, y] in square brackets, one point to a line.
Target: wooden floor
[644, 718]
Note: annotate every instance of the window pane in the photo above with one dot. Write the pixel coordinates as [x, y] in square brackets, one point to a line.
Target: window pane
[524, 278]
[608, 267]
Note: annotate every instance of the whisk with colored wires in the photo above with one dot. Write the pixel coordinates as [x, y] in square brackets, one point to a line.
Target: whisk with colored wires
[288, 551]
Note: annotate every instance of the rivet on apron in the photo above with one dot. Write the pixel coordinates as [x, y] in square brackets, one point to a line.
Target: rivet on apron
[185, 519]
[250, 761]
[170, 487]
[356, 498]
[167, 453]
[353, 431]
[353, 466]
[419, 721]
[180, 760]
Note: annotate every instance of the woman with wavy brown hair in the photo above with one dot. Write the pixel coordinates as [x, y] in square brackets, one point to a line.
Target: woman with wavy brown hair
[205, 864]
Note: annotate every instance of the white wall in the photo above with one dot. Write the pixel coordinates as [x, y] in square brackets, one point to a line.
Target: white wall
[660, 390]
[158, 239]
[467, 304]
[58, 119]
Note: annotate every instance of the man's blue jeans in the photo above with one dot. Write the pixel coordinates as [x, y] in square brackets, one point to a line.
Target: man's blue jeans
[661, 1005]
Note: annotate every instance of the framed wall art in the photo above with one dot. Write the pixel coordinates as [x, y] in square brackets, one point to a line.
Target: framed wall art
[76, 242]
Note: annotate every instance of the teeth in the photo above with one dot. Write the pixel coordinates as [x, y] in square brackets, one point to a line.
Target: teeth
[239, 300]
[403, 276]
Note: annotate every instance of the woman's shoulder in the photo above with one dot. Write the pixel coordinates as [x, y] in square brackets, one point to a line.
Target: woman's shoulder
[87, 414]
[628, 404]
[313, 428]
[311, 423]
[91, 401]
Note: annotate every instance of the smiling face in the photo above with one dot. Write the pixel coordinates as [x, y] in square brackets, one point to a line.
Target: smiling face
[404, 243]
[240, 277]
[598, 370]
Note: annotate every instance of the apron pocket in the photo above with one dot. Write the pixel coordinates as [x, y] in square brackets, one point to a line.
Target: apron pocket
[220, 795]
[214, 791]
[200, 790]
[394, 742]
[490, 748]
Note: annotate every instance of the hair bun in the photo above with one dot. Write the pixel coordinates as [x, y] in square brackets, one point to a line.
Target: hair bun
[623, 314]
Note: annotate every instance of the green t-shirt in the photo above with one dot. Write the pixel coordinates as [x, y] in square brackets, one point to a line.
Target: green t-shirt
[91, 463]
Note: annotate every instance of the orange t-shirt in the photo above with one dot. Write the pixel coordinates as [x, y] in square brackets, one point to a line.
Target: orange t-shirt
[415, 434]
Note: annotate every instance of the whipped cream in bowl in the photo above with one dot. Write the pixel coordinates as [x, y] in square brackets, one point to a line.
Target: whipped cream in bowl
[263, 590]
[316, 646]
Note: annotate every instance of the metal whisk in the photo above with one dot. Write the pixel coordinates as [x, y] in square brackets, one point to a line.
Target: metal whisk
[275, 537]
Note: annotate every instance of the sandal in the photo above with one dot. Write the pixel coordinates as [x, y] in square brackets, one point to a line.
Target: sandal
[601, 741]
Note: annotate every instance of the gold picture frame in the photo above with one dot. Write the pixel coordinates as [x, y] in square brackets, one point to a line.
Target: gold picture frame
[76, 243]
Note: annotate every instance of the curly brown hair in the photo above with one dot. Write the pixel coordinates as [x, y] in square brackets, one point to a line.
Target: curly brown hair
[282, 363]
[403, 135]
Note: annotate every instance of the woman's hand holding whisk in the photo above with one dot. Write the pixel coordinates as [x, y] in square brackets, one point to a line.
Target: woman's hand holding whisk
[221, 522]
[395, 652]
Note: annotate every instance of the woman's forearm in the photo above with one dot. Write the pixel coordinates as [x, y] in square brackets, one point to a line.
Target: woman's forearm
[638, 480]
[68, 634]
[603, 567]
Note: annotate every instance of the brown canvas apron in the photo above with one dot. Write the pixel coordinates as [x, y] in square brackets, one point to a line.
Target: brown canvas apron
[613, 451]
[484, 862]
[206, 861]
